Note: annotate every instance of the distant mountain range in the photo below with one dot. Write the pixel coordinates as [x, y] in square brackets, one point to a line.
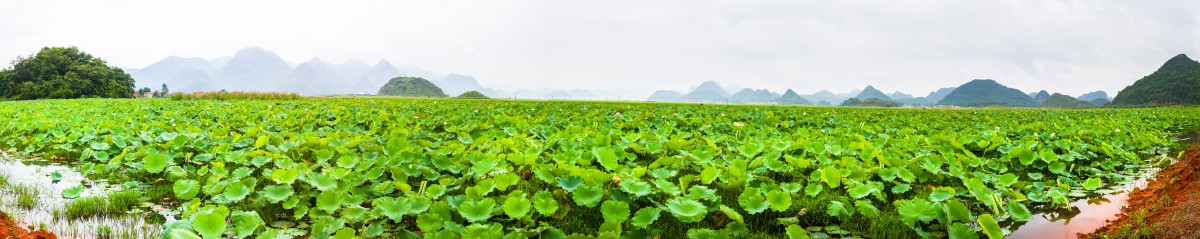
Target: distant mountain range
[257, 69]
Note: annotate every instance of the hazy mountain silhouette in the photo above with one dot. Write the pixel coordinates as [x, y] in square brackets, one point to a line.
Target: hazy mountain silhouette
[665, 96]
[252, 69]
[871, 92]
[173, 71]
[937, 95]
[455, 84]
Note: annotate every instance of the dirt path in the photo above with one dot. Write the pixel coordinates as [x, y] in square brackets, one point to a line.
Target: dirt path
[10, 229]
[1169, 207]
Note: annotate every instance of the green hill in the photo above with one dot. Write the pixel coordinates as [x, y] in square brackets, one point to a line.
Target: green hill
[986, 92]
[1177, 82]
[1064, 101]
[411, 87]
[871, 92]
[753, 96]
[791, 98]
[471, 95]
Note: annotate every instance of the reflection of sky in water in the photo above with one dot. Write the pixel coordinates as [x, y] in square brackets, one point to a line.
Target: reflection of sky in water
[36, 174]
[1082, 216]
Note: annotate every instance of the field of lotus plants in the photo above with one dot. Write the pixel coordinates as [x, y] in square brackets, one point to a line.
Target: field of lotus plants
[412, 168]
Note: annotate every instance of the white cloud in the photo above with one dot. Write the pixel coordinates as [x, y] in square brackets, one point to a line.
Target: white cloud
[912, 46]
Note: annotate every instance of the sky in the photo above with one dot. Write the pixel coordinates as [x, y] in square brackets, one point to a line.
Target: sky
[917, 46]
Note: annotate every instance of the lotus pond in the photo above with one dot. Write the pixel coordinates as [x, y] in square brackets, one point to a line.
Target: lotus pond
[386, 168]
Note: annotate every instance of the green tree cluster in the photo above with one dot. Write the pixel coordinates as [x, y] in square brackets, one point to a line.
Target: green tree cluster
[411, 87]
[63, 73]
[869, 102]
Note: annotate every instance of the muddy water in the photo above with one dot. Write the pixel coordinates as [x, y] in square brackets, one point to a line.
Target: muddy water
[36, 175]
[1081, 216]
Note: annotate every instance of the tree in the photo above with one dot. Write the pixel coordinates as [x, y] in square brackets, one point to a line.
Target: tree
[164, 91]
[63, 73]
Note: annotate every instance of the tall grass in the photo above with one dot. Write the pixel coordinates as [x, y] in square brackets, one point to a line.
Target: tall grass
[237, 95]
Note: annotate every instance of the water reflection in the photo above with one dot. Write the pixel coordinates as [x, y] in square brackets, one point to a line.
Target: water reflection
[1080, 216]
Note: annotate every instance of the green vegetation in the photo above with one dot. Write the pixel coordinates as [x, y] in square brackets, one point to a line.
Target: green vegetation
[869, 102]
[382, 167]
[980, 93]
[1177, 82]
[62, 73]
[112, 204]
[1065, 101]
[237, 95]
[791, 98]
[411, 87]
[471, 95]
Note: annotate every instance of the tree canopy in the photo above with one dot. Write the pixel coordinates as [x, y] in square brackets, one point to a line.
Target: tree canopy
[63, 73]
[411, 87]
[871, 102]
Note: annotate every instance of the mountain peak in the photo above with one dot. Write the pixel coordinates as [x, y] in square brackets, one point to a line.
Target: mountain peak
[987, 92]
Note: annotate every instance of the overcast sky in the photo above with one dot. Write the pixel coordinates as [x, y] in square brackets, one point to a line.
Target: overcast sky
[912, 46]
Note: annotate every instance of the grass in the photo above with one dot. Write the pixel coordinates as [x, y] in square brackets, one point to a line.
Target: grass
[110, 204]
[26, 195]
[223, 95]
[104, 232]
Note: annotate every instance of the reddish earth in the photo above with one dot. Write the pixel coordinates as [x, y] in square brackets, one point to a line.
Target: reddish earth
[1169, 207]
[10, 229]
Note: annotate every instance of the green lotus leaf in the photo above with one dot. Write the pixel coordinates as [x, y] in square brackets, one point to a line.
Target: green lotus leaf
[796, 232]
[284, 176]
[477, 210]
[569, 183]
[72, 192]
[914, 210]
[246, 223]
[614, 211]
[186, 189]
[866, 209]
[990, 227]
[276, 193]
[516, 205]
[860, 191]
[812, 189]
[957, 211]
[779, 200]
[430, 222]
[645, 216]
[838, 209]
[154, 163]
[435, 191]
[709, 174]
[238, 190]
[322, 181]
[1018, 211]
[687, 210]
[544, 203]
[640, 189]
[1091, 184]
[210, 225]
[753, 201]
[329, 201]
[587, 195]
[941, 194]
[607, 159]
